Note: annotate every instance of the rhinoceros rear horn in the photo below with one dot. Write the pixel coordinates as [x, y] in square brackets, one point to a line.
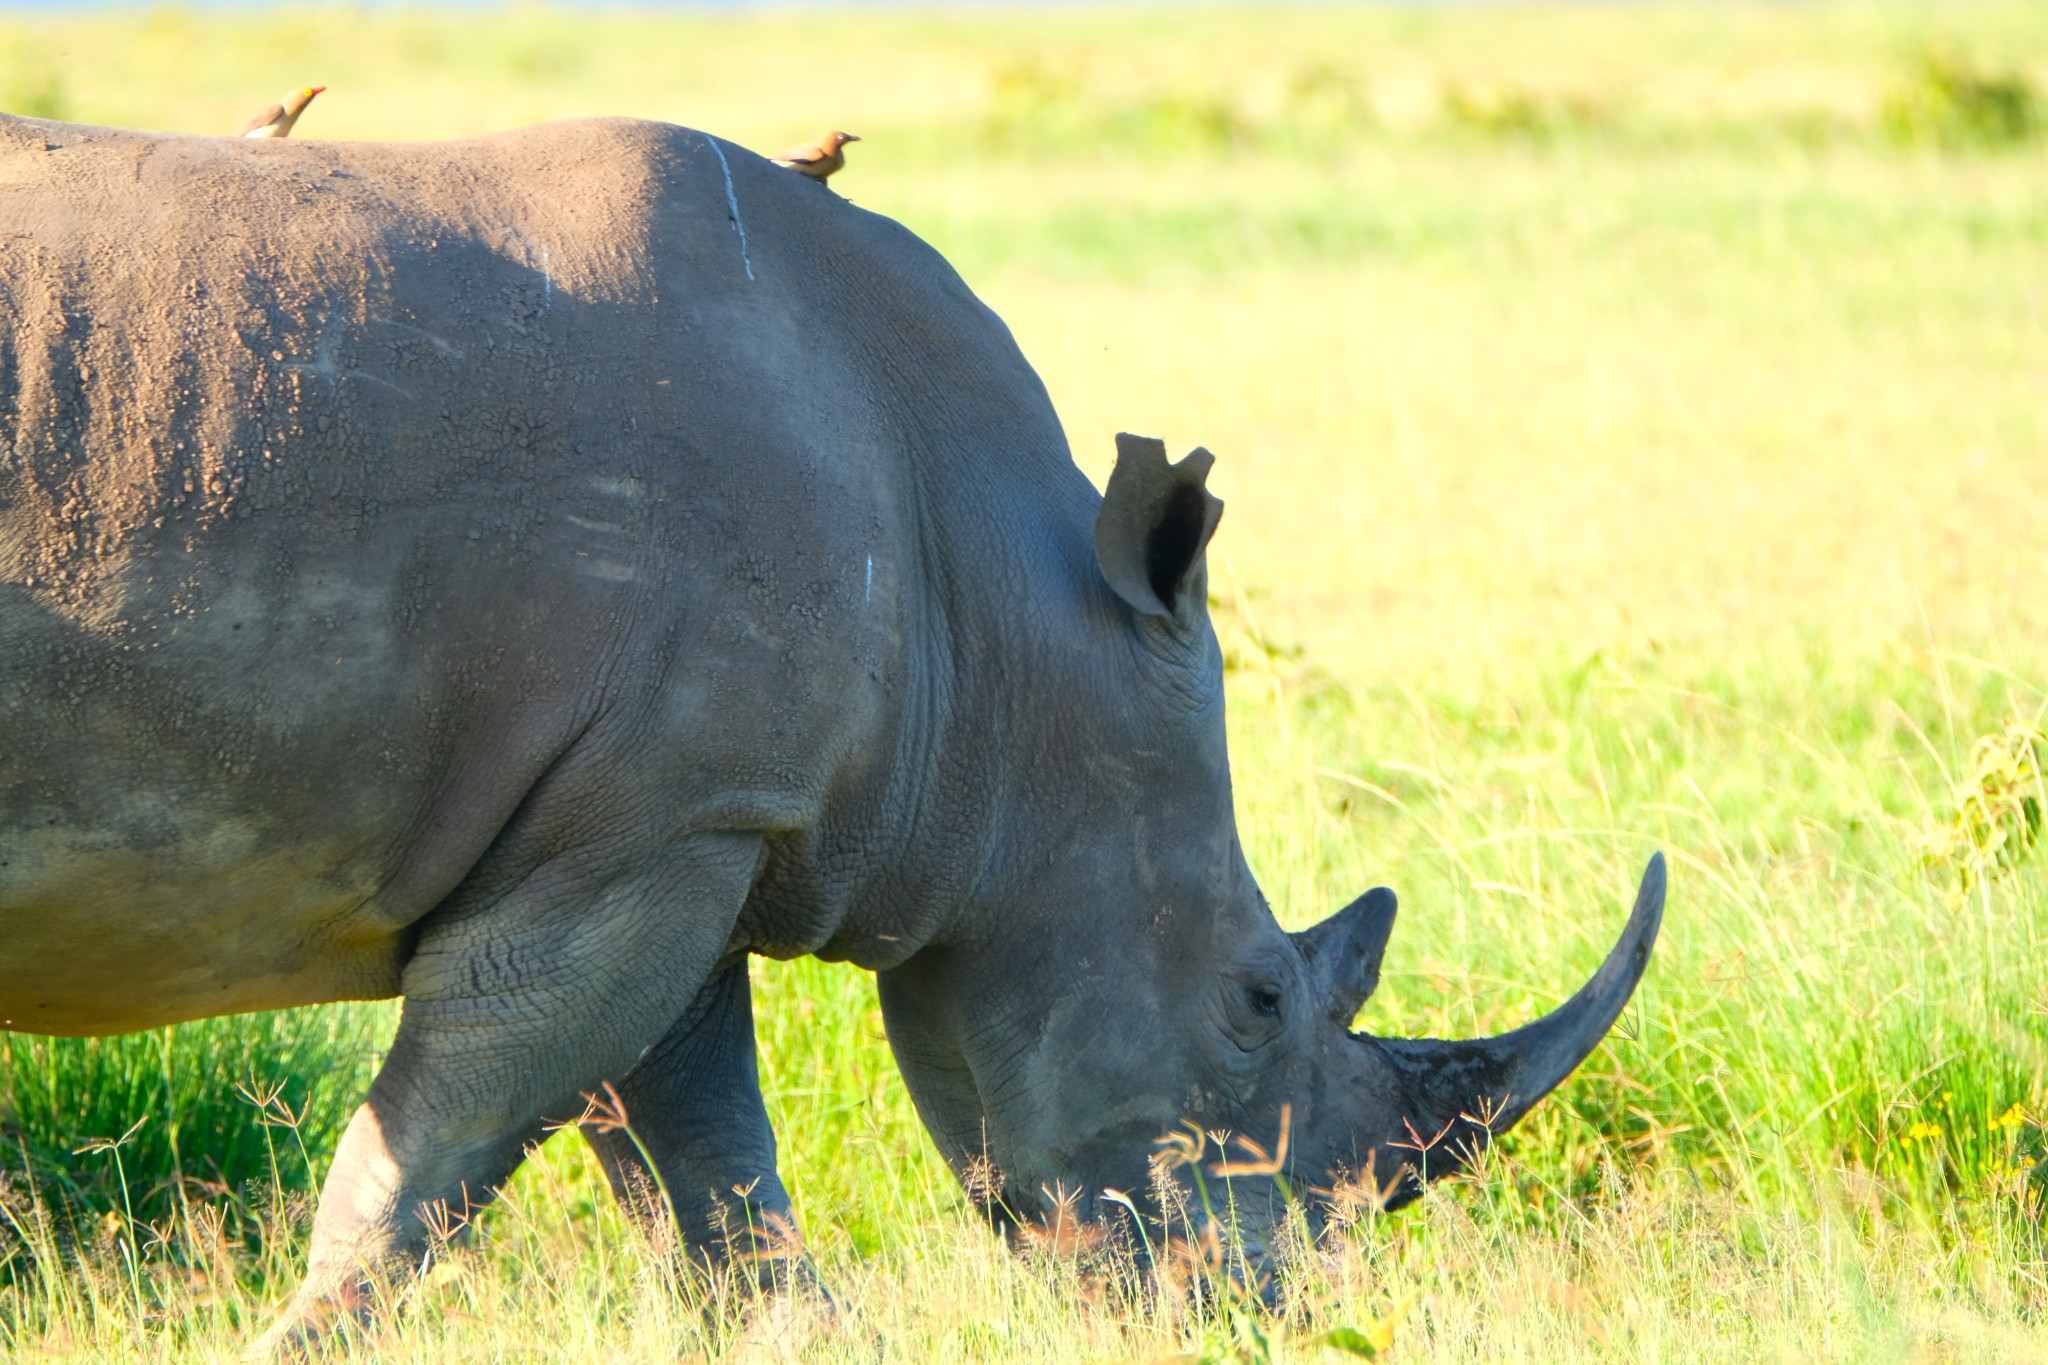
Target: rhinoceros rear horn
[1156, 520]
[1492, 1082]
[1344, 952]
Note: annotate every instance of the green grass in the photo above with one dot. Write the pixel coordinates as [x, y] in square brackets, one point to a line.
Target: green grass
[1632, 422]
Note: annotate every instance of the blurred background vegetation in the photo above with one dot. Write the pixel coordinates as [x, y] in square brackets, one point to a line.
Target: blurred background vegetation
[1634, 426]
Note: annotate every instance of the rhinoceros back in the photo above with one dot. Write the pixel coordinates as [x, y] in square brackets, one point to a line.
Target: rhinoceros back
[343, 486]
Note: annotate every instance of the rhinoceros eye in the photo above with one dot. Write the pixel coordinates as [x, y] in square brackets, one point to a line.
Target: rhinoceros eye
[1264, 1000]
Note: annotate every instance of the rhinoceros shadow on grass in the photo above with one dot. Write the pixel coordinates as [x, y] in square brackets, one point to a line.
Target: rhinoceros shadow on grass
[530, 574]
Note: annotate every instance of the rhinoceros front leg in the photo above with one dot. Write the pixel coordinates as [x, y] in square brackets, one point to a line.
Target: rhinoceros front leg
[693, 1104]
[513, 1008]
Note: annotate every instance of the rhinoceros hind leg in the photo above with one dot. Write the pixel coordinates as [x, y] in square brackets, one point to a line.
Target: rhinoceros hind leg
[693, 1104]
[513, 1010]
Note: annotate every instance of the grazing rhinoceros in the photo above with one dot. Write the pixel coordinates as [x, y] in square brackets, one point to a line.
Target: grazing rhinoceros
[528, 575]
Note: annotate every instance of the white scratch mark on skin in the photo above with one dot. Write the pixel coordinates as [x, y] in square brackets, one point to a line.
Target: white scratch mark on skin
[869, 596]
[529, 249]
[373, 379]
[438, 343]
[325, 366]
[732, 205]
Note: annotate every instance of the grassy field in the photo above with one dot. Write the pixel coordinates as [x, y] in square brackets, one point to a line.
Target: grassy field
[1634, 424]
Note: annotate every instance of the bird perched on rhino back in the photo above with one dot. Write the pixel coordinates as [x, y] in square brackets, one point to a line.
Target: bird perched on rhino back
[817, 159]
[277, 120]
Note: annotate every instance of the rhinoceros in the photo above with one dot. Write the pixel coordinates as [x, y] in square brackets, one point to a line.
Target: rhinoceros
[528, 575]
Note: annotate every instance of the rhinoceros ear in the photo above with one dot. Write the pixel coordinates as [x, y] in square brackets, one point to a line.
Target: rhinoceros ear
[1344, 952]
[1156, 519]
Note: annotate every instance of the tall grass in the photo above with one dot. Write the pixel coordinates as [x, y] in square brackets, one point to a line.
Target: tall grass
[1632, 426]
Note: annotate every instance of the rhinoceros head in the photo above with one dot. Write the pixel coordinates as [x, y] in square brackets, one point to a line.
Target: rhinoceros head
[1125, 980]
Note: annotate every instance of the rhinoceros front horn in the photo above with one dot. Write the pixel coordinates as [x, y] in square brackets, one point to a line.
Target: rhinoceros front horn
[1489, 1083]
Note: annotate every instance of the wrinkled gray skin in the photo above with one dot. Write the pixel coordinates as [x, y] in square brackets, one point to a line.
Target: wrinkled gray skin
[528, 575]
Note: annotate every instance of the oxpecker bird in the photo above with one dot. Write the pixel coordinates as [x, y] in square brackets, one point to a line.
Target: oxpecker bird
[817, 159]
[277, 120]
